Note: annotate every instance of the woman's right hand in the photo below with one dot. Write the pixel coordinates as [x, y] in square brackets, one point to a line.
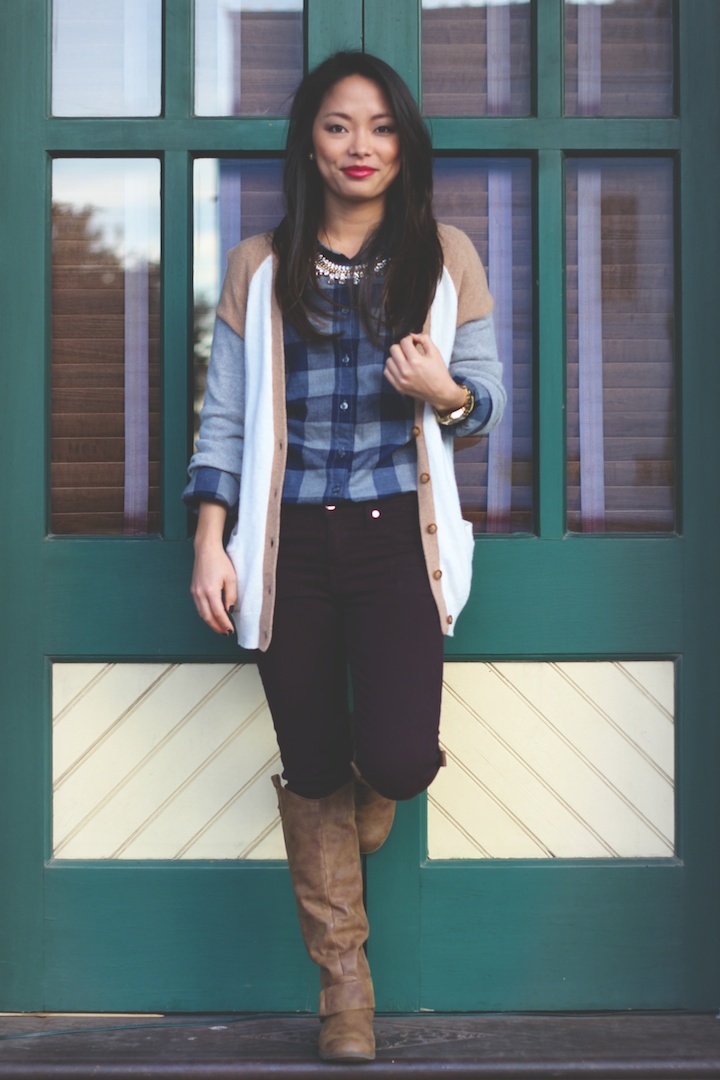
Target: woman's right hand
[214, 583]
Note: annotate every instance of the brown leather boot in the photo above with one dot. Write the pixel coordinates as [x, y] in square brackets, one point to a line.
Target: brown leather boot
[374, 815]
[324, 860]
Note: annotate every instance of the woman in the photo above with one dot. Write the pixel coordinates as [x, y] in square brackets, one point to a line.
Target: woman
[350, 347]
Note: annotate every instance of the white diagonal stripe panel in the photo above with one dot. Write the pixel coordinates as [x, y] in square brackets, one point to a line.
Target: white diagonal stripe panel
[163, 761]
[172, 761]
[565, 760]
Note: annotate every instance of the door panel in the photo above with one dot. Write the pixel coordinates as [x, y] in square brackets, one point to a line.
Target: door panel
[545, 930]
[163, 761]
[447, 933]
[556, 760]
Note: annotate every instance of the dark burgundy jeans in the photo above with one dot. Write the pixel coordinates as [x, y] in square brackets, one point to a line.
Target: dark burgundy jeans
[354, 606]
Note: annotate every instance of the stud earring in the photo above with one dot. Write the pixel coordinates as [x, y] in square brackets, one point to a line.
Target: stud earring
[311, 156]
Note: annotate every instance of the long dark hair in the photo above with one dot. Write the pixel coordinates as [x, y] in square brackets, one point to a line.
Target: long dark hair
[407, 234]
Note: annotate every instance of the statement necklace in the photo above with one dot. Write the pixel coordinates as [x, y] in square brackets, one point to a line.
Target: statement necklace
[343, 272]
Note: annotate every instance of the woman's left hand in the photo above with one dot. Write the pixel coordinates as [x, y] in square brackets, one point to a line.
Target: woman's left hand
[415, 367]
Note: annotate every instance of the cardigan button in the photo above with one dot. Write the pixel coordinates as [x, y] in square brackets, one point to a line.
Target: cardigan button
[449, 619]
[437, 574]
[424, 477]
[415, 431]
[432, 528]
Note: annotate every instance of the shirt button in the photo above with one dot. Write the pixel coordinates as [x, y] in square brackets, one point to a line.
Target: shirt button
[341, 453]
[345, 360]
[437, 574]
[415, 431]
[424, 477]
[336, 489]
[344, 405]
[345, 311]
[432, 528]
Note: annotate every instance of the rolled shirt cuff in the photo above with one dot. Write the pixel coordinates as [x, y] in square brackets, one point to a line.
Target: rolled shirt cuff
[212, 485]
[482, 409]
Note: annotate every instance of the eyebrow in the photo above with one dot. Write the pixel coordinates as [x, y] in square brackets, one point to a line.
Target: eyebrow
[345, 116]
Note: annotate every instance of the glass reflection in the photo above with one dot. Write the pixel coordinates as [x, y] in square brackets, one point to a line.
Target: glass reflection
[105, 346]
[233, 199]
[107, 58]
[491, 201]
[620, 338]
[476, 58]
[248, 56]
[619, 58]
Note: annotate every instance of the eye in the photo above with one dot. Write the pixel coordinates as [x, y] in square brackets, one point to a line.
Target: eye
[335, 129]
[386, 129]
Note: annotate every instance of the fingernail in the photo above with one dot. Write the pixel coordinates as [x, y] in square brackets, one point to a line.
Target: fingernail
[231, 609]
[228, 633]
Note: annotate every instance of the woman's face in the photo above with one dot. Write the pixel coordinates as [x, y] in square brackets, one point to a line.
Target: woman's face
[357, 147]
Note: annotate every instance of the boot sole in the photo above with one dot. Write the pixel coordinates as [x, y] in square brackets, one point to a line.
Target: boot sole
[346, 1057]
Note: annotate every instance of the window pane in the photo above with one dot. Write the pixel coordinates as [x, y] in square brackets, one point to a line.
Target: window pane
[233, 200]
[107, 58]
[619, 58]
[476, 58]
[490, 200]
[620, 297]
[105, 346]
[248, 56]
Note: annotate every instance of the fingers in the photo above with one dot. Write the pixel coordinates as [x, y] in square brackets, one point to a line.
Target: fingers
[423, 342]
[416, 368]
[210, 608]
[411, 348]
[230, 594]
[214, 591]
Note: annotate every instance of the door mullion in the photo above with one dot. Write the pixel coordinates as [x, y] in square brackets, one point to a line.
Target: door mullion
[699, 746]
[392, 31]
[550, 386]
[178, 65]
[24, 300]
[177, 308]
[393, 885]
[327, 33]
[550, 469]
[549, 58]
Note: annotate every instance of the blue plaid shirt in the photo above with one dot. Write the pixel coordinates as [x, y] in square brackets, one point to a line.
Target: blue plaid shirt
[349, 431]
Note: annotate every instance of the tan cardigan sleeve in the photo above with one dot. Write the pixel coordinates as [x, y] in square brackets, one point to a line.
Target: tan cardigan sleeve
[468, 274]
[243, 261]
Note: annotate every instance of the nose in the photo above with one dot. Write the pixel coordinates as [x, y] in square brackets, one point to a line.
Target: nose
[360, 144]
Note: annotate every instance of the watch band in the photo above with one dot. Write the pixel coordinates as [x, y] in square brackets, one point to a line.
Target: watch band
[460, 413]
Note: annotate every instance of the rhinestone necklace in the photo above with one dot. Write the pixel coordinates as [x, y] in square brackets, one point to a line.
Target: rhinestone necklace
[341, 272]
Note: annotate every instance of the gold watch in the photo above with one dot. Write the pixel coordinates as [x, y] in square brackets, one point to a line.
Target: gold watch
[460, 413]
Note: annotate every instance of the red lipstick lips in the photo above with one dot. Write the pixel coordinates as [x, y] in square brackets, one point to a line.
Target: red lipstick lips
[359, 172]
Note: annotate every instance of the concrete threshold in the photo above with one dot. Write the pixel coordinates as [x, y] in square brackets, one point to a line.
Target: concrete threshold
[429, 1046]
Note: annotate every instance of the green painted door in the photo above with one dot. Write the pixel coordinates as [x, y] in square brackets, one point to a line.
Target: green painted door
[606, 206]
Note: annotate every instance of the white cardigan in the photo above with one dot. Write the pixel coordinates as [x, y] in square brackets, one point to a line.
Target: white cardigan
[249, 307]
